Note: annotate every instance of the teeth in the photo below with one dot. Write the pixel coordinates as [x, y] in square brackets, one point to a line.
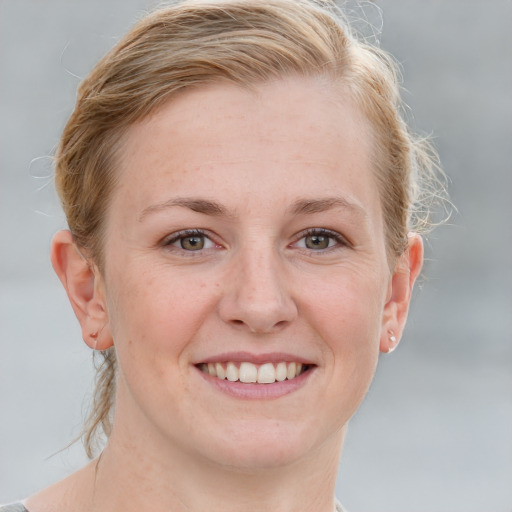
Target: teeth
[247, 373]
[232, 372]
[266, 374]
[221, 373]
[281, 372]
[292, 368]
[250, 373]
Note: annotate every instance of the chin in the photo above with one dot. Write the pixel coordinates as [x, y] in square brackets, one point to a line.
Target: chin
[255, 460]
[271, 446]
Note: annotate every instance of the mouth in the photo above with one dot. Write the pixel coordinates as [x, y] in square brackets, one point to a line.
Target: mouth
[249, 373]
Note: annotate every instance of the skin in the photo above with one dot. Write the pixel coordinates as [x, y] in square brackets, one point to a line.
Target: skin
[253, 170]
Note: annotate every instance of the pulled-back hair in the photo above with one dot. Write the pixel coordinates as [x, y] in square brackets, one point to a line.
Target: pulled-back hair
[245, 42]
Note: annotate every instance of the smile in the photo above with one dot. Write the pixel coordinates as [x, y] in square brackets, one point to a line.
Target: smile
[267, 373]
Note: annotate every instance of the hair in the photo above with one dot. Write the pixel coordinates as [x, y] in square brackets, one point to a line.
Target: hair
[244, 42]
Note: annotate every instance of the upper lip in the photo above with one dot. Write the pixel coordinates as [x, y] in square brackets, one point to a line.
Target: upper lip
[241, 357]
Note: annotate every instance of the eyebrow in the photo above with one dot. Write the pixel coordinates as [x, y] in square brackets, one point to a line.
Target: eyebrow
[309, 206]
[197, 205]
[212, 208]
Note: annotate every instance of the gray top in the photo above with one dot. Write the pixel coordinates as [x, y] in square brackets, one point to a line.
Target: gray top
[18, 507]
[13, 507]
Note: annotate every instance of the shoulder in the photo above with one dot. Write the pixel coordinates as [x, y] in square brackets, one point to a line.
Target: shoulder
[339, 508]
[13, 507]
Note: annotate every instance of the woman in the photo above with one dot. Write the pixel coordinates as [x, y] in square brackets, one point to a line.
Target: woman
[243, 199]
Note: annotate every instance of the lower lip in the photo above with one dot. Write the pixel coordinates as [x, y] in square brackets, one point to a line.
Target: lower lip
[253, 391]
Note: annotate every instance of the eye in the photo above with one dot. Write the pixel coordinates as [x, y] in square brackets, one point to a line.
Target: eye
[190, 240]
[320, 239]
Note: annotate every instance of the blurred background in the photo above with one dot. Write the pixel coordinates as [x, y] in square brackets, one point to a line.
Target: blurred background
[435, 432]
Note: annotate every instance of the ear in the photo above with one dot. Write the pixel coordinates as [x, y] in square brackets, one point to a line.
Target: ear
[407, 269]
[85, 288]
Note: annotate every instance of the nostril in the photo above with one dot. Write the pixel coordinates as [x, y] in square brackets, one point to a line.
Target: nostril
[257, 327]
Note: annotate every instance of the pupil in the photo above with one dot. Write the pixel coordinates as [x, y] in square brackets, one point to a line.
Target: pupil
[317, 242]
[192, 243]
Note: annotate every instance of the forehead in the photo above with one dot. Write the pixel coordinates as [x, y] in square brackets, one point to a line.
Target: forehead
[288, 138]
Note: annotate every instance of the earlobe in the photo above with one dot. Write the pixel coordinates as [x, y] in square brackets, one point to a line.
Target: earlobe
[84, 287]
[406, 271]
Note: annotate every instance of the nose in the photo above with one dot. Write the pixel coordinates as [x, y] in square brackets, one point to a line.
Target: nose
[257, 295]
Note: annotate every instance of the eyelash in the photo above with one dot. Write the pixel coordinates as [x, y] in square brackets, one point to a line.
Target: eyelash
[187, 233]
[312, 232]
[340, 240]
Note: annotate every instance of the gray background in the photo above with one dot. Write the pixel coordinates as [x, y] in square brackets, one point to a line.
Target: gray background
[435, 433]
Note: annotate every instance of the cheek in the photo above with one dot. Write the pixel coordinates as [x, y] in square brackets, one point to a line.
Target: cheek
[348, 316]
[350, 309]
[158, 310]
[154, 321]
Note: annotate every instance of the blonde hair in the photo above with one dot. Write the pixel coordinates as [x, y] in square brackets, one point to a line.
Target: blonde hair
[245, 42]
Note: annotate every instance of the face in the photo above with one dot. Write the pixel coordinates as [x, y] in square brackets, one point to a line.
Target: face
[245, 242]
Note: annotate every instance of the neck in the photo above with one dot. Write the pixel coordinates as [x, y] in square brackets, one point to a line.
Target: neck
[176, 481]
